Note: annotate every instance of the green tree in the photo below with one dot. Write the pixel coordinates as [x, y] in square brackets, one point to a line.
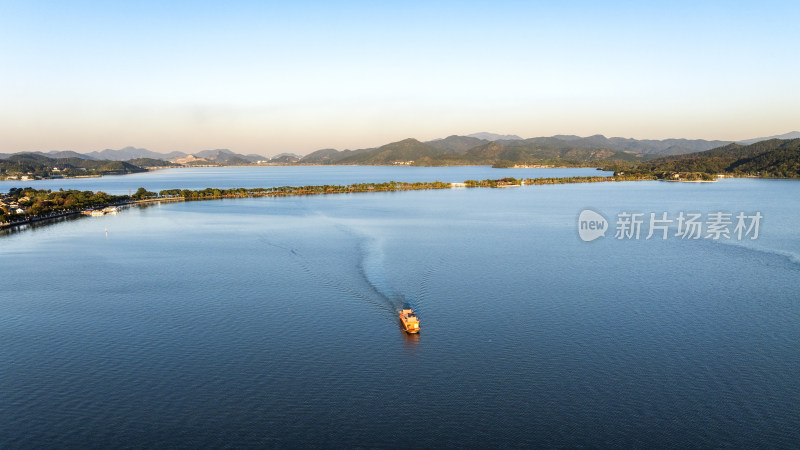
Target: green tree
[142, 194]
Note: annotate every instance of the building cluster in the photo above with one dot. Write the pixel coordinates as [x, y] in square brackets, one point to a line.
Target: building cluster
[27, 177]
[10, 205]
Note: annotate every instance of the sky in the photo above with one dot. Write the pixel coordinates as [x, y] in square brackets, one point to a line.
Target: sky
[270, 77]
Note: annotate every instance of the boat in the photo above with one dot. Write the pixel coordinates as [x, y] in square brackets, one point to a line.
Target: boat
[409, 320]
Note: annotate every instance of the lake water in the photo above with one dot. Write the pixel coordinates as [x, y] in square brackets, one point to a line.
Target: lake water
[271, 176]
[272, 322]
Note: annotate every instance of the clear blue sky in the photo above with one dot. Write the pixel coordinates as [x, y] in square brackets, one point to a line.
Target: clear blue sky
[267, 77]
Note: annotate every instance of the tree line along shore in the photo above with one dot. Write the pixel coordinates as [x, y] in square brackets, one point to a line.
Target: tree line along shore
[26, 205]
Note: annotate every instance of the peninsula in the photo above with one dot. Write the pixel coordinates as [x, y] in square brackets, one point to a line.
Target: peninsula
[22, 206]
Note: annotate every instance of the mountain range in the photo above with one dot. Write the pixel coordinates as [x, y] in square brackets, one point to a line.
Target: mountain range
[222, 156]
[488, 148]
[477, 148]
[769, 158]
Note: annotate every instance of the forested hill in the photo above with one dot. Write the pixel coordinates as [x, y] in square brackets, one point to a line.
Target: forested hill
[462, 150]
[775, 158]
[34, 165]
[769, 158]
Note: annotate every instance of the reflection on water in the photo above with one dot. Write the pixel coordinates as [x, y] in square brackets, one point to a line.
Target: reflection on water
[411, 339]
[39, 224]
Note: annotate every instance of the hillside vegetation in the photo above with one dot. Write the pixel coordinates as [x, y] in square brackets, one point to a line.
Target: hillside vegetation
[765, 158]
[774, 158]
[33, 165]
[461, 150]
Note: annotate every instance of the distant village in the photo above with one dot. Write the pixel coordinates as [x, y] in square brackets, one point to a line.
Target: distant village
[10, 205]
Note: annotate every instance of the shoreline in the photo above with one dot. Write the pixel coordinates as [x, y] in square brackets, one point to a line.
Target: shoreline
[178, 195]
[518, 166]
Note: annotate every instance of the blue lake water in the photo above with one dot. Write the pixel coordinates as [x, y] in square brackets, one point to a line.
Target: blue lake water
[270, 176]
[272, 322]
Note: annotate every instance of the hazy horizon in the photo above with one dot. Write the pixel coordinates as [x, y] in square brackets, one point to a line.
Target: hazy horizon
[267, 78]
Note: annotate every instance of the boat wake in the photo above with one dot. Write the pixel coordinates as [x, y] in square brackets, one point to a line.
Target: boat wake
[425, 281]
[365, 290]
[790, 257]
[372, 267]
[372, 284]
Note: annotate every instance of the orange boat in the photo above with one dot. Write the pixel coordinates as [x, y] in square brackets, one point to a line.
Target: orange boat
[409, 320]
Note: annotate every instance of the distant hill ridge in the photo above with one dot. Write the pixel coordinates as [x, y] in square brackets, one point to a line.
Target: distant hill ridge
[476, 148]
[771, 158]
[37, 165]
[494, 137]
[791, 135]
